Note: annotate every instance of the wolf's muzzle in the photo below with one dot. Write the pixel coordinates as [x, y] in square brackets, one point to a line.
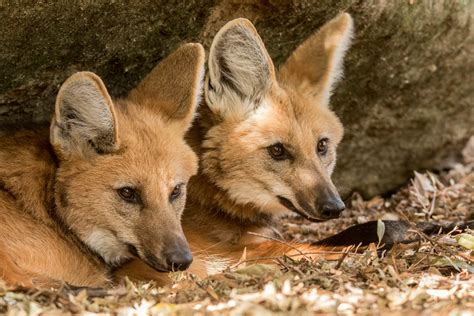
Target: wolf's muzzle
[329, 204]
[179, 260]
[289, 205]
[174, 258]
[177, 254]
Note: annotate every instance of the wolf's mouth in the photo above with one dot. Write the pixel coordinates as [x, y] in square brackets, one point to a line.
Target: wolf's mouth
[289, 205]
[149, 259]
[153, 262]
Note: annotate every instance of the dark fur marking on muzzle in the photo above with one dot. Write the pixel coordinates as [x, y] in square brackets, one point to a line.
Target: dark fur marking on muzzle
[133, 250]
[153, 262]
[289, 205]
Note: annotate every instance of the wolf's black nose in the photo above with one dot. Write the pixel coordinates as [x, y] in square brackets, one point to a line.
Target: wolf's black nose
[332, 208]
[179, 260]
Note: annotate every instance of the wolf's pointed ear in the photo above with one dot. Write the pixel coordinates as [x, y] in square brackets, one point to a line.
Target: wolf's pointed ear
[174, 86]
[240, 69]
[315, 66]
[84, 121]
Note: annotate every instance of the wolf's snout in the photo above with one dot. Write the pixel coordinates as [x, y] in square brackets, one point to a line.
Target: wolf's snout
[179, 260]
[174, 255]
[177, 255]
[329, 205]
[332, 209]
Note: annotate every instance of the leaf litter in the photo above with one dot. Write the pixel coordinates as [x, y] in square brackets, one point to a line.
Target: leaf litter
[433, 276]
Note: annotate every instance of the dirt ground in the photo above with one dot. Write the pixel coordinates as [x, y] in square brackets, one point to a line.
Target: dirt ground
[429, 277]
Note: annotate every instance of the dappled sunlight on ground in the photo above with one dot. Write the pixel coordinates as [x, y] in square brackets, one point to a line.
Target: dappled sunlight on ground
[432, 276]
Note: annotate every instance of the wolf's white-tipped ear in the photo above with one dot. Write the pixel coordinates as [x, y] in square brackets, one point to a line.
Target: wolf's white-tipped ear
[174, 87]
[315, 66]
[240, 69]
[84, 121]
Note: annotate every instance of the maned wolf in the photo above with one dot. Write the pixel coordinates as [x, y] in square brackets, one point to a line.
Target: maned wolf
[110, 183]
[267, 145]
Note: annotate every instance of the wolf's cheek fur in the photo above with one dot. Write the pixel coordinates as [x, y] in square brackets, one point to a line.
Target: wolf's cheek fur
[107, 245]
[235, 165]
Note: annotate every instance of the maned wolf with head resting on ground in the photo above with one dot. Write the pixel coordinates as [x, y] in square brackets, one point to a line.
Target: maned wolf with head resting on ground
[110, 183]
[266, 142]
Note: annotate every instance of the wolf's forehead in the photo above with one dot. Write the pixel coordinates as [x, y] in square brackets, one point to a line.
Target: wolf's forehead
[146, 131]
[307, 113]
[161, 151]
[290, 115]
[148, 169]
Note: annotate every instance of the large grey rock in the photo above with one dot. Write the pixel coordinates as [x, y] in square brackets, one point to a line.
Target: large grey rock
[43, 42]
[407, 100]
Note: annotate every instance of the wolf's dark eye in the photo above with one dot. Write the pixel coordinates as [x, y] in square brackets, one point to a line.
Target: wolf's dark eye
[277, 151]
[129, 194]
[176, 192]
[323, 146]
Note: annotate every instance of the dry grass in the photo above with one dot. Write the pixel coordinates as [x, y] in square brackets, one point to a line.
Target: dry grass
[433, 276]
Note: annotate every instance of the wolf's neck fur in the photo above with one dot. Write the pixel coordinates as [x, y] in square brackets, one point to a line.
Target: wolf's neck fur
[31, 181]
[28, 166]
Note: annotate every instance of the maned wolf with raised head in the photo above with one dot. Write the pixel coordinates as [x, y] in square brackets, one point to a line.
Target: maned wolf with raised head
[266, 141]
[109, 185]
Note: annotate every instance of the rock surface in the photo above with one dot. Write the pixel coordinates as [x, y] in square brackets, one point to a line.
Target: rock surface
[407, 99]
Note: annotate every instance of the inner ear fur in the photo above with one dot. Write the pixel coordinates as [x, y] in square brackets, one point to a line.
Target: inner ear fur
[174, 86]
[84, 121]
[240, 70]
[316, 65]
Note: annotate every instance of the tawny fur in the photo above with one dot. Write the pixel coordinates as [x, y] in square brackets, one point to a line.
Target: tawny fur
[249, 107]
[61, 217]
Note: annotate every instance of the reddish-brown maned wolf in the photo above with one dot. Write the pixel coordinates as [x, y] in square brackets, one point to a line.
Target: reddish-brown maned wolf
[108, 185]
[266, 141]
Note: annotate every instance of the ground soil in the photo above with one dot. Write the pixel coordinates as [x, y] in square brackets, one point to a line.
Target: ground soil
[430, 277]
